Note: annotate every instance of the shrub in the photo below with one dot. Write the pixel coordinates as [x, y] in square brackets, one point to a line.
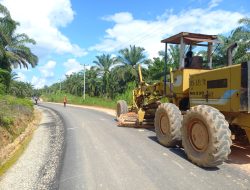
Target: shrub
[6, 121]
[12, 108]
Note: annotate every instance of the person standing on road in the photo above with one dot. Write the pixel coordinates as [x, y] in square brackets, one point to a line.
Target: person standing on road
[36, 99]
[65, 101]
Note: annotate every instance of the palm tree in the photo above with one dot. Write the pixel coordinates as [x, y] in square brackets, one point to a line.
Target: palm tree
[243, 31]
[104, 65]
[220, 52]
[242, 36]
[93, 83]
[156, 69]
[156, 66]
[74, 84]
[21, 89]
[13, 49]
[130, 57]
[174, 56]
[5, 79]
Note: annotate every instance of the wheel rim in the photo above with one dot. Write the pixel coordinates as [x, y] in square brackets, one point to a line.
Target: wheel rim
[198, 135]
[164, 124]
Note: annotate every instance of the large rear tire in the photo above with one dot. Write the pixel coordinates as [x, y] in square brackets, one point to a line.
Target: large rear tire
[121, 108]
[167, 124]
[206, 136]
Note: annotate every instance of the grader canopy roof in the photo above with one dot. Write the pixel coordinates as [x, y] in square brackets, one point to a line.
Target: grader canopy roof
[190, 38]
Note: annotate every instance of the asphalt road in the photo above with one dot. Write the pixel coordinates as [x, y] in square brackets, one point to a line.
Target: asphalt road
[100, 155]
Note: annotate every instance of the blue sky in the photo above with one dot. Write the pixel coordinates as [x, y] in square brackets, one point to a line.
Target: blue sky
[71, 33]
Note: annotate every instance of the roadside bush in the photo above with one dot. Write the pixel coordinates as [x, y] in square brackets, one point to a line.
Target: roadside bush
[2, 88]
[11, 100]
[6, 121]
[90, 101]
[128, 94]
[15, 113]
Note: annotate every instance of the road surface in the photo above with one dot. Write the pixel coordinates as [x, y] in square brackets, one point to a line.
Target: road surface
[100, 155]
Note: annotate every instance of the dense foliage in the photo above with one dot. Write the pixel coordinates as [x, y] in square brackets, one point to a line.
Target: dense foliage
[15, 113]
[14, 52]
[114, 77]
[110, 77]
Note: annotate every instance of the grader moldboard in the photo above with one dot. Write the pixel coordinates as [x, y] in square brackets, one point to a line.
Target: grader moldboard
[206, 107]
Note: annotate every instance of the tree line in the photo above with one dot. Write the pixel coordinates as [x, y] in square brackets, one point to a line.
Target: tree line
[112, 76]
[109, 76]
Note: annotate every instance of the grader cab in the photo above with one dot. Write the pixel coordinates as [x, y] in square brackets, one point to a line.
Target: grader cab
[206, 107]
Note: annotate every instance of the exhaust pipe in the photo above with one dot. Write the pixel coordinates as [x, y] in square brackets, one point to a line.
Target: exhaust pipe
[229, 53]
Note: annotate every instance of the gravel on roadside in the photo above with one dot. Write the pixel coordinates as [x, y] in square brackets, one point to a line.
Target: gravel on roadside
[39, 166]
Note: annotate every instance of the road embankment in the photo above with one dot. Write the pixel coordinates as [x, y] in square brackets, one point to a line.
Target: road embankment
[39, 166]
[10, 153]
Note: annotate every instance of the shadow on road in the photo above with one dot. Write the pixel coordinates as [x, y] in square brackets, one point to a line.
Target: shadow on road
[240, 154]
[178, 150]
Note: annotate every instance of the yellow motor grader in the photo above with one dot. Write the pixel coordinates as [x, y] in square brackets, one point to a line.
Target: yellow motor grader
[206, 107]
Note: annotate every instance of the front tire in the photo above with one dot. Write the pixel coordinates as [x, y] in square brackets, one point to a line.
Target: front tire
[206, 136]
[167, 124]
[121, 108]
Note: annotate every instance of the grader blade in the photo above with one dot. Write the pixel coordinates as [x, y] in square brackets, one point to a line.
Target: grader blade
[127, 120]
[131, 119]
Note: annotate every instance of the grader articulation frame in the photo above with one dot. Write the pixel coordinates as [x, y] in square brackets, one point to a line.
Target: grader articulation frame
[205, 108]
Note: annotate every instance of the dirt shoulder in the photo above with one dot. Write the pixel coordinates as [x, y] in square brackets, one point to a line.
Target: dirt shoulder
[39, 166]
[8, 153]
[106, 110]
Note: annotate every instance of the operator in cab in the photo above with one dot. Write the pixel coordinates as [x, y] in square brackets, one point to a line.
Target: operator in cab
[189, 56]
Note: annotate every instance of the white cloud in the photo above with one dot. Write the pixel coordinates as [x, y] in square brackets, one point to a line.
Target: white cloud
[41, 20]
[123, 17]
[148, 34]
[72, 66]
[47, 73]
[47, 69]
[38, 82]
[21, 77]
[213, 3]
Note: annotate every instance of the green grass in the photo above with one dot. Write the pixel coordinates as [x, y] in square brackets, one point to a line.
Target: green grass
[15, 114]
[13, 108]
[90, 101]
[93, 101]
[16, 156]
[127, 95]
[11, 100]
